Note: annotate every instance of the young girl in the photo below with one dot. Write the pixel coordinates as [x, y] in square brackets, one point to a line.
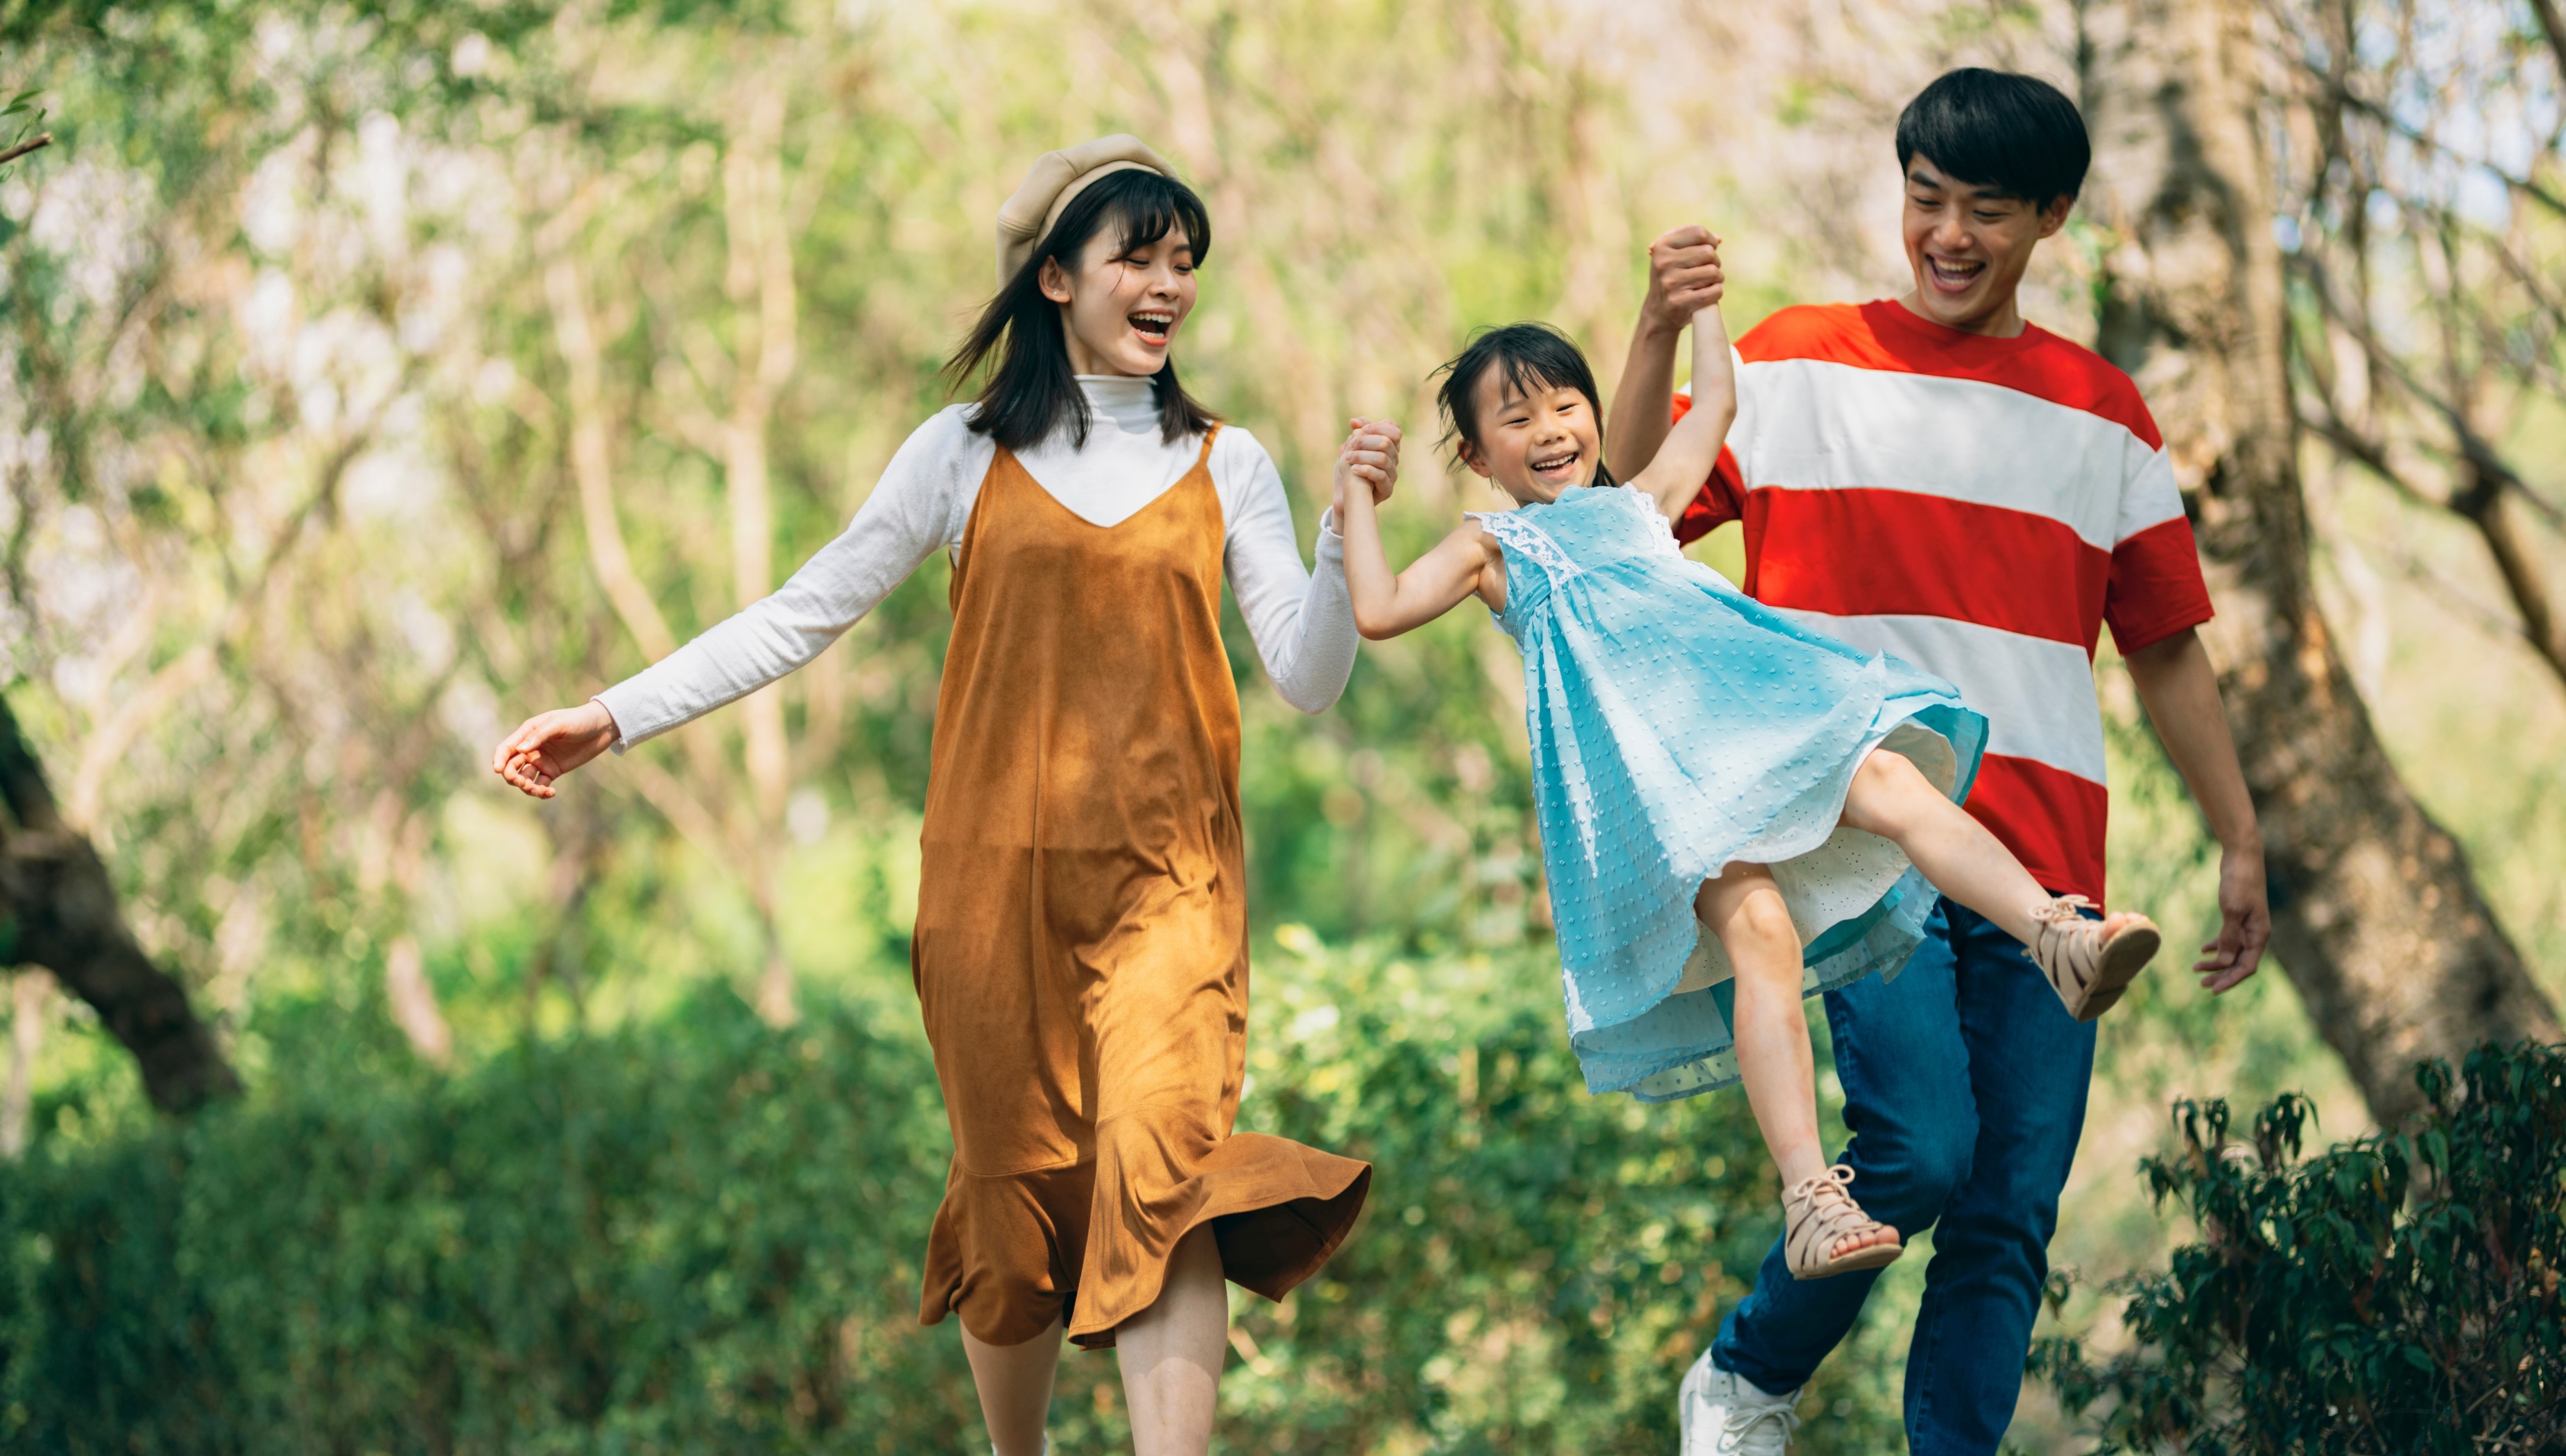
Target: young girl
[1081, 950]
[1701, 762]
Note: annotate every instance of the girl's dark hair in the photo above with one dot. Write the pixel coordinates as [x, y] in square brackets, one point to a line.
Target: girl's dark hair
[1532, 356]
[1025, 398]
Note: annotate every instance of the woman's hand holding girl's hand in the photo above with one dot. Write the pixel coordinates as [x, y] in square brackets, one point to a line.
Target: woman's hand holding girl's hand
[549, 745]
[1370, 455]
[1685, 278]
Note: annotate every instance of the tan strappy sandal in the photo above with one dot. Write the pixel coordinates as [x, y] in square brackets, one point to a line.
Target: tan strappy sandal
[1817, 1215]
[2088, 966]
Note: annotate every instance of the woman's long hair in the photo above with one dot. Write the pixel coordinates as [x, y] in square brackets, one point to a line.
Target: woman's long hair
[1033, 389]
[1532, 356]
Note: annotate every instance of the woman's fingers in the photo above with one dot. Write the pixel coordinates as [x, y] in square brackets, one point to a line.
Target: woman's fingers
[518, 773]
[518, 758]
[514, 744]
[549, 745]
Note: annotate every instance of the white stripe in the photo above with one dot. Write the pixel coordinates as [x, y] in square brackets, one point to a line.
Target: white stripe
[2037, 695]
[2152, 499]
[1813, 424]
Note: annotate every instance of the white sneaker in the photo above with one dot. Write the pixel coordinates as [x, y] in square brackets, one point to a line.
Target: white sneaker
[1723, 1414]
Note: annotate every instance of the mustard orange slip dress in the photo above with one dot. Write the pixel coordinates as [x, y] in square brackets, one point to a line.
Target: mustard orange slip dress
[1081, 952]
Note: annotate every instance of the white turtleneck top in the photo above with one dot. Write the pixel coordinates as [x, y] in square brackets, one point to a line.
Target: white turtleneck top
[1303, 623]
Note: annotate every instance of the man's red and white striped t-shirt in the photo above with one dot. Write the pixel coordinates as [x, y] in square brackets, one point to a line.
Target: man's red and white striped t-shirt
[1979, 507]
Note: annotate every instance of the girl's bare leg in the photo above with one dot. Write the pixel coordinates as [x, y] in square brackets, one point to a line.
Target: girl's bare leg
[1744, 909]
[1014, 1381]
[1893, 799]
[1172, 1354]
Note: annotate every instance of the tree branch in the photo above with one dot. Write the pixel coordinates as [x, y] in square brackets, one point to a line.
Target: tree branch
[2353, 101]
[2553, 25]
[2482, 507]
[2481, 501]
[58, 909]
[592, 462]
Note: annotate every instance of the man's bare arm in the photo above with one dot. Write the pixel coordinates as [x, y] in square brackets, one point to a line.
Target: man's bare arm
[2180, 693]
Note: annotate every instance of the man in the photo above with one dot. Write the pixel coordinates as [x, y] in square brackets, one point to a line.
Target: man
[1933, 477]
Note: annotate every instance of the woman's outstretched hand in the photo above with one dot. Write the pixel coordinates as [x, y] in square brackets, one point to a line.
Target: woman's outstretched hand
[549, 745]
[1370, 455]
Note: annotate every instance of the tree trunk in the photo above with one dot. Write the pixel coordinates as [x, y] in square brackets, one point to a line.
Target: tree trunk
[31, 999]
[58, 910]
[2377, 915]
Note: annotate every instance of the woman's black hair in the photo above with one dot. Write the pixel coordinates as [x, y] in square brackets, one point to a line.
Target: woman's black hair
[1033, 387]
[1532, 356]
[1997, 128]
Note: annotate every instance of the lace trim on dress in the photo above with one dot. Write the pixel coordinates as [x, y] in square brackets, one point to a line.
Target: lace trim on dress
[1661, 531]
[1529, 541]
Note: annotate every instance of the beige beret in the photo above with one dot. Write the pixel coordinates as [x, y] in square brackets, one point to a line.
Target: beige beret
[1056, 176]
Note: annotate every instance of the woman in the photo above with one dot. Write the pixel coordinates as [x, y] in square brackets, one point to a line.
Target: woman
[1081, 951]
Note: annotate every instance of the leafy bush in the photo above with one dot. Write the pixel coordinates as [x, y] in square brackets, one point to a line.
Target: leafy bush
[697, 1234]
[693, 1236]
[2394, 1295]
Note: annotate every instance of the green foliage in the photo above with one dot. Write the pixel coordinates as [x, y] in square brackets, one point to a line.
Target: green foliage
[700, 1234]
[684, 1237]
[2396, 1293]
[1537, 1266]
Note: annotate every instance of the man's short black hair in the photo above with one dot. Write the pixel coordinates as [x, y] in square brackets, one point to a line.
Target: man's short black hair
[1995, 128]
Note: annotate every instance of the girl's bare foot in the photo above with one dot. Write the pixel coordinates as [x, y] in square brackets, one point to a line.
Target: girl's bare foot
[2089, 963]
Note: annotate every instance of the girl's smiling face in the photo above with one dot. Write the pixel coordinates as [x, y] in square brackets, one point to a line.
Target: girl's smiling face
[1535, 439]
[1120, 308]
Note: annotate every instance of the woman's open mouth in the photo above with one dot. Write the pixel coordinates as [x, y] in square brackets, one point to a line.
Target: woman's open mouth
[1152, 325]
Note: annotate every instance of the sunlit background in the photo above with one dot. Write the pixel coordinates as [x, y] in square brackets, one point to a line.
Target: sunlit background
[373, 376]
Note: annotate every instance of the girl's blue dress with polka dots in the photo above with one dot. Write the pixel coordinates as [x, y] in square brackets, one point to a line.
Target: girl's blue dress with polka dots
[1677, 726]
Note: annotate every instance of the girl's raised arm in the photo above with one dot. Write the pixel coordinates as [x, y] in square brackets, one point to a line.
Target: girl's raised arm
[1685, 462]
[1385, 605]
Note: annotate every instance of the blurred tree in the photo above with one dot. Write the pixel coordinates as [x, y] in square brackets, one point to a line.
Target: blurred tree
[58, 910]
[2428, 318]
[2378, 918]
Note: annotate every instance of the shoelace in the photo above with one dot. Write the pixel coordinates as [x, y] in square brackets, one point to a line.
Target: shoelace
[2061, 911]
[1734, 1437]
[1815, 1185]
[1829, 1202]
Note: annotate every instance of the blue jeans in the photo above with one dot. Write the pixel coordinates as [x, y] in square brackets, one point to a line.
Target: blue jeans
[1965, 1089]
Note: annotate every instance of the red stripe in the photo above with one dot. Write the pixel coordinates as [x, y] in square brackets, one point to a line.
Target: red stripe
[1884, 553]
[2156, 590]
[2051, 820]
[1885, 335]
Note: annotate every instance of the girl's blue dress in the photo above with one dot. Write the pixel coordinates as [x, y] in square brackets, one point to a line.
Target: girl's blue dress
[1679, 725]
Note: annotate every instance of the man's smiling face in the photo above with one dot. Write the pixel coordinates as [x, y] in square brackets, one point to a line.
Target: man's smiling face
[1968, 245]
